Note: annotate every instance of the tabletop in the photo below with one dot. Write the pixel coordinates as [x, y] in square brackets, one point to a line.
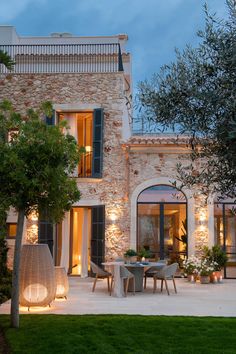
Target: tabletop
[136, 264]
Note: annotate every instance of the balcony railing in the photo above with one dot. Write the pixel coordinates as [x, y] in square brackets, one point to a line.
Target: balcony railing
[64, 58]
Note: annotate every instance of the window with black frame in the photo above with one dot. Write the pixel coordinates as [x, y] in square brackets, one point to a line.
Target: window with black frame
[225, 234]
[162, 223]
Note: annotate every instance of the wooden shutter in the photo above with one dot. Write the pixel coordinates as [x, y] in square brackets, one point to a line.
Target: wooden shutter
[45, 231]
[46, 227]
[50, 120]
[98, 234]
[97, 143]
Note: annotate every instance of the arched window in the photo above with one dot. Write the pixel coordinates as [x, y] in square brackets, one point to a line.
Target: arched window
[162, 222]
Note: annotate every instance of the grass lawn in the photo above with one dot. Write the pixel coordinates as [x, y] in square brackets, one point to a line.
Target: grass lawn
[109, 334]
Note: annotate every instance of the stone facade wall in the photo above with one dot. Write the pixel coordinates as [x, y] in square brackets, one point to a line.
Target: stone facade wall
[105, 90]
[123, 168]
[151, 162]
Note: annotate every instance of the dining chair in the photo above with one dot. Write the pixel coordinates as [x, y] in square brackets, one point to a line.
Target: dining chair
[167, 273]
[125, 275]
[100, 274]
[151, 271]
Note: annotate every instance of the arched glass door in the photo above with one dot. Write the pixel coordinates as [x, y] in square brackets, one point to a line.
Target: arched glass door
[162, 222]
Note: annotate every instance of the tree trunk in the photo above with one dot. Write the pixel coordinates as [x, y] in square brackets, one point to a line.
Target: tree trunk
[16, 271]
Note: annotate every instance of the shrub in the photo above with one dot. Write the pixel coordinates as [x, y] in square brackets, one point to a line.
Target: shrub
[215, 254]
[130, 253]
[5, 287]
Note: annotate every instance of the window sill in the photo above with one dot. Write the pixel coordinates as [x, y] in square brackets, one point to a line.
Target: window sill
[88, 179]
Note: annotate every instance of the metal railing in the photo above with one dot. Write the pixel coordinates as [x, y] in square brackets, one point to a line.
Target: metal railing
[64, 58]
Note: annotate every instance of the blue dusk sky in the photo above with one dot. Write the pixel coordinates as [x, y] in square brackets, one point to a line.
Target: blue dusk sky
[155, 27]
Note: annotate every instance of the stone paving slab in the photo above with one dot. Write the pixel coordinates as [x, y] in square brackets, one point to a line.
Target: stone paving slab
[191, 300]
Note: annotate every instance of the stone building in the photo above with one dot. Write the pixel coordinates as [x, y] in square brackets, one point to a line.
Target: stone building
[126, 179]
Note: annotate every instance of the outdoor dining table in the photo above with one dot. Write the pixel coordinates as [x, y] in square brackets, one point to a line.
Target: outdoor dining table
[137, 269]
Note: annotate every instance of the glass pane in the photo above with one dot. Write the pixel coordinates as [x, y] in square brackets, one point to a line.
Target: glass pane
[175, 232]
[149, 228]
[12, 228]
[225, 234]
[161, 193]
[77, 230]
[218, 221]
[230, 239]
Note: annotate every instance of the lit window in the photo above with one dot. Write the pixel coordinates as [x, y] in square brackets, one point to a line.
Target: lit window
[81, 127]
[11, 230]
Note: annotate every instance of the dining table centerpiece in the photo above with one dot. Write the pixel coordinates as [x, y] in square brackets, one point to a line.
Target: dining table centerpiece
[131, 256]
[144, 255]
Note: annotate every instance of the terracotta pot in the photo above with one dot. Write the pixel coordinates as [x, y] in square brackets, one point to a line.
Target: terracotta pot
[192, 277]
[133, 259]
[216, 276]
[204, 279]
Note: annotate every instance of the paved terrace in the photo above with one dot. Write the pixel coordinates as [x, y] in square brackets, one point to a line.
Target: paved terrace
[191, 300]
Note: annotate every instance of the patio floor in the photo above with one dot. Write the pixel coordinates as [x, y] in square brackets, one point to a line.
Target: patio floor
[191, 300]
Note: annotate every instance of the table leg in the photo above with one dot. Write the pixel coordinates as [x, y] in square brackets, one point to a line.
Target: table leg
[118, 288]
[138, 274]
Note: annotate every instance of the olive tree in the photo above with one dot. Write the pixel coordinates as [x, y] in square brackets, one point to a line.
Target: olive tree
[35, 168]
[196, 96]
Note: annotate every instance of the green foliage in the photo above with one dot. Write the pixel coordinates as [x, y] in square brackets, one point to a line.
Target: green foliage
[6, 60]
[35, 166]
[215, 254]
[130, 253]
[184, 237]
[117, 334]
[144, 253]
[5, 286]
[196, 96]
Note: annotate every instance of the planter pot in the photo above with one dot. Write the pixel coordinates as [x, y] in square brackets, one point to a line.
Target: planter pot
[216, 277]
[204, 279]
[133, 259]
[192, 278]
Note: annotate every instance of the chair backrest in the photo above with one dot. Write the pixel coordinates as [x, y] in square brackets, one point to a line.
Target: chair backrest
[96, 269]
[169, 271]
[119, 259]
[154, 269]
[163, 261]
[125, 273]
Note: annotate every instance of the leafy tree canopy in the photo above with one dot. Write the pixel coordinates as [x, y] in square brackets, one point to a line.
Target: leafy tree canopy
[35, 163]
[196, 96]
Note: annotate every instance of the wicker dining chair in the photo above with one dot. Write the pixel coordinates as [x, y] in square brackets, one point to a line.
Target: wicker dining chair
[167, 273]
[125, 275]
[151, 271]
[100, 274]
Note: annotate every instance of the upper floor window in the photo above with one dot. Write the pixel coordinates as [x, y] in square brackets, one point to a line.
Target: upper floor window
[11, 230]
[87, 128]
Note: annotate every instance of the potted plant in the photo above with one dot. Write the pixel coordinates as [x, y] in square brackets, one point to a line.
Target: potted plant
[144, 254]
[217, 255]
[205, 271]
[191, 267]
[131, 255]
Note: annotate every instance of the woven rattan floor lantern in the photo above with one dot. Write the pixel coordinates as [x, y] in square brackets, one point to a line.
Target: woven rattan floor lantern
[37, 276]
[62, 284]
